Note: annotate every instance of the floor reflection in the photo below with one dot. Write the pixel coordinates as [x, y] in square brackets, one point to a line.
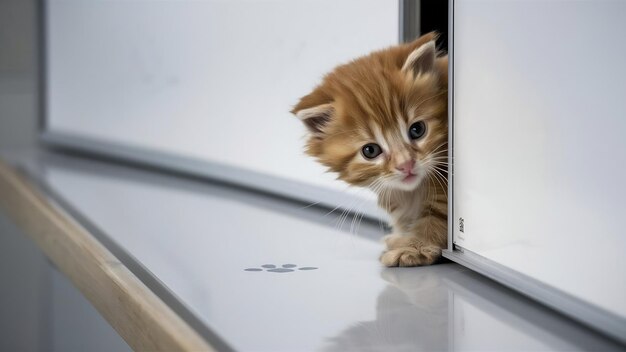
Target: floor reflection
[448, 307]
[411, 313]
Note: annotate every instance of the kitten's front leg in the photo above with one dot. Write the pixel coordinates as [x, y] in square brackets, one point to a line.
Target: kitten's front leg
[421, 247]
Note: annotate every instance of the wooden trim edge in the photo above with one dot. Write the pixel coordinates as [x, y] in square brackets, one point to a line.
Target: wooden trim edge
[141, 318]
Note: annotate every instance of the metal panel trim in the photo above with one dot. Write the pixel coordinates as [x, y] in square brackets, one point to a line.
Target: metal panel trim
[409, 20]
[184, 166]
[450, 123]
[603, 321]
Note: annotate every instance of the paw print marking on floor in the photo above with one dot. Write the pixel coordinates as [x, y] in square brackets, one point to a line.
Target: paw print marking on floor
[285, 268]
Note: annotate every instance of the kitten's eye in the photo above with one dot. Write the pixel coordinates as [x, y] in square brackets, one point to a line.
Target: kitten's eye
[417, 130]
[371, 150]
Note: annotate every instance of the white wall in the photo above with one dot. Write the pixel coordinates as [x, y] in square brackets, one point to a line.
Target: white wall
[210, 80]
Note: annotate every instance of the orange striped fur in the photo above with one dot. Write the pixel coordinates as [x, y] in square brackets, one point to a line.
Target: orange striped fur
[385, 99]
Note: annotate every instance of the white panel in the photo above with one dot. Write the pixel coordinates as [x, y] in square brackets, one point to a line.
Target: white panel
[212, 80]
[540, 161]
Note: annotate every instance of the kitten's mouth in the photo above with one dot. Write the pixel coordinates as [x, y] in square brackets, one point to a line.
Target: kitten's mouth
[409, 178]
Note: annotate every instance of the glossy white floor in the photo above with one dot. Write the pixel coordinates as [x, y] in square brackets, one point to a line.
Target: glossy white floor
[210, 250]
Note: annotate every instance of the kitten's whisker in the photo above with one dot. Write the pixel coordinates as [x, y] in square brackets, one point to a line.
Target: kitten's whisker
[444, 144]
[440, 164]
[338, 220]
[335, 208]
[345, 209]
[344, 212]
[443, 188]
[444, 172]
[439, 161]
[310, 205]
[354, 210]
[439, 157]
[344, 217]
[438, 169]
[360, 219]
[357, 212]
[441, 170]
[350, 210]
[438, 152]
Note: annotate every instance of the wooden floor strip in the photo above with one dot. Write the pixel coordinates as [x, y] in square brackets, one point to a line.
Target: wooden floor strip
[144, 321]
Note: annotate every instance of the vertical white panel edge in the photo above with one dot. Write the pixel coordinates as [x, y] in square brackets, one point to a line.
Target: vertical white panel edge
[605, 321]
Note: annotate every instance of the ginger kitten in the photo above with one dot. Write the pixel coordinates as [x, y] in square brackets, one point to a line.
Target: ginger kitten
[381, 122]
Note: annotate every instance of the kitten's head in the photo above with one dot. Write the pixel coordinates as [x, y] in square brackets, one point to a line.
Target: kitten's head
[381, 120]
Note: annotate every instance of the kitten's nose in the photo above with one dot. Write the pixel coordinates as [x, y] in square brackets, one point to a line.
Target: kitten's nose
[406, 167]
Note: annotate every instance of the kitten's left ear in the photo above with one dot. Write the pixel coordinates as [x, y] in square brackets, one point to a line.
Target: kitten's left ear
[421, 60]
[315, 111]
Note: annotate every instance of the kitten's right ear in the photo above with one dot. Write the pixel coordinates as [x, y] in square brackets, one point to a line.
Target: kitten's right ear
[315, 118]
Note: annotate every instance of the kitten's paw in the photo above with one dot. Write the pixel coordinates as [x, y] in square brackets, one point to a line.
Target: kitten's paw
[410, 256]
